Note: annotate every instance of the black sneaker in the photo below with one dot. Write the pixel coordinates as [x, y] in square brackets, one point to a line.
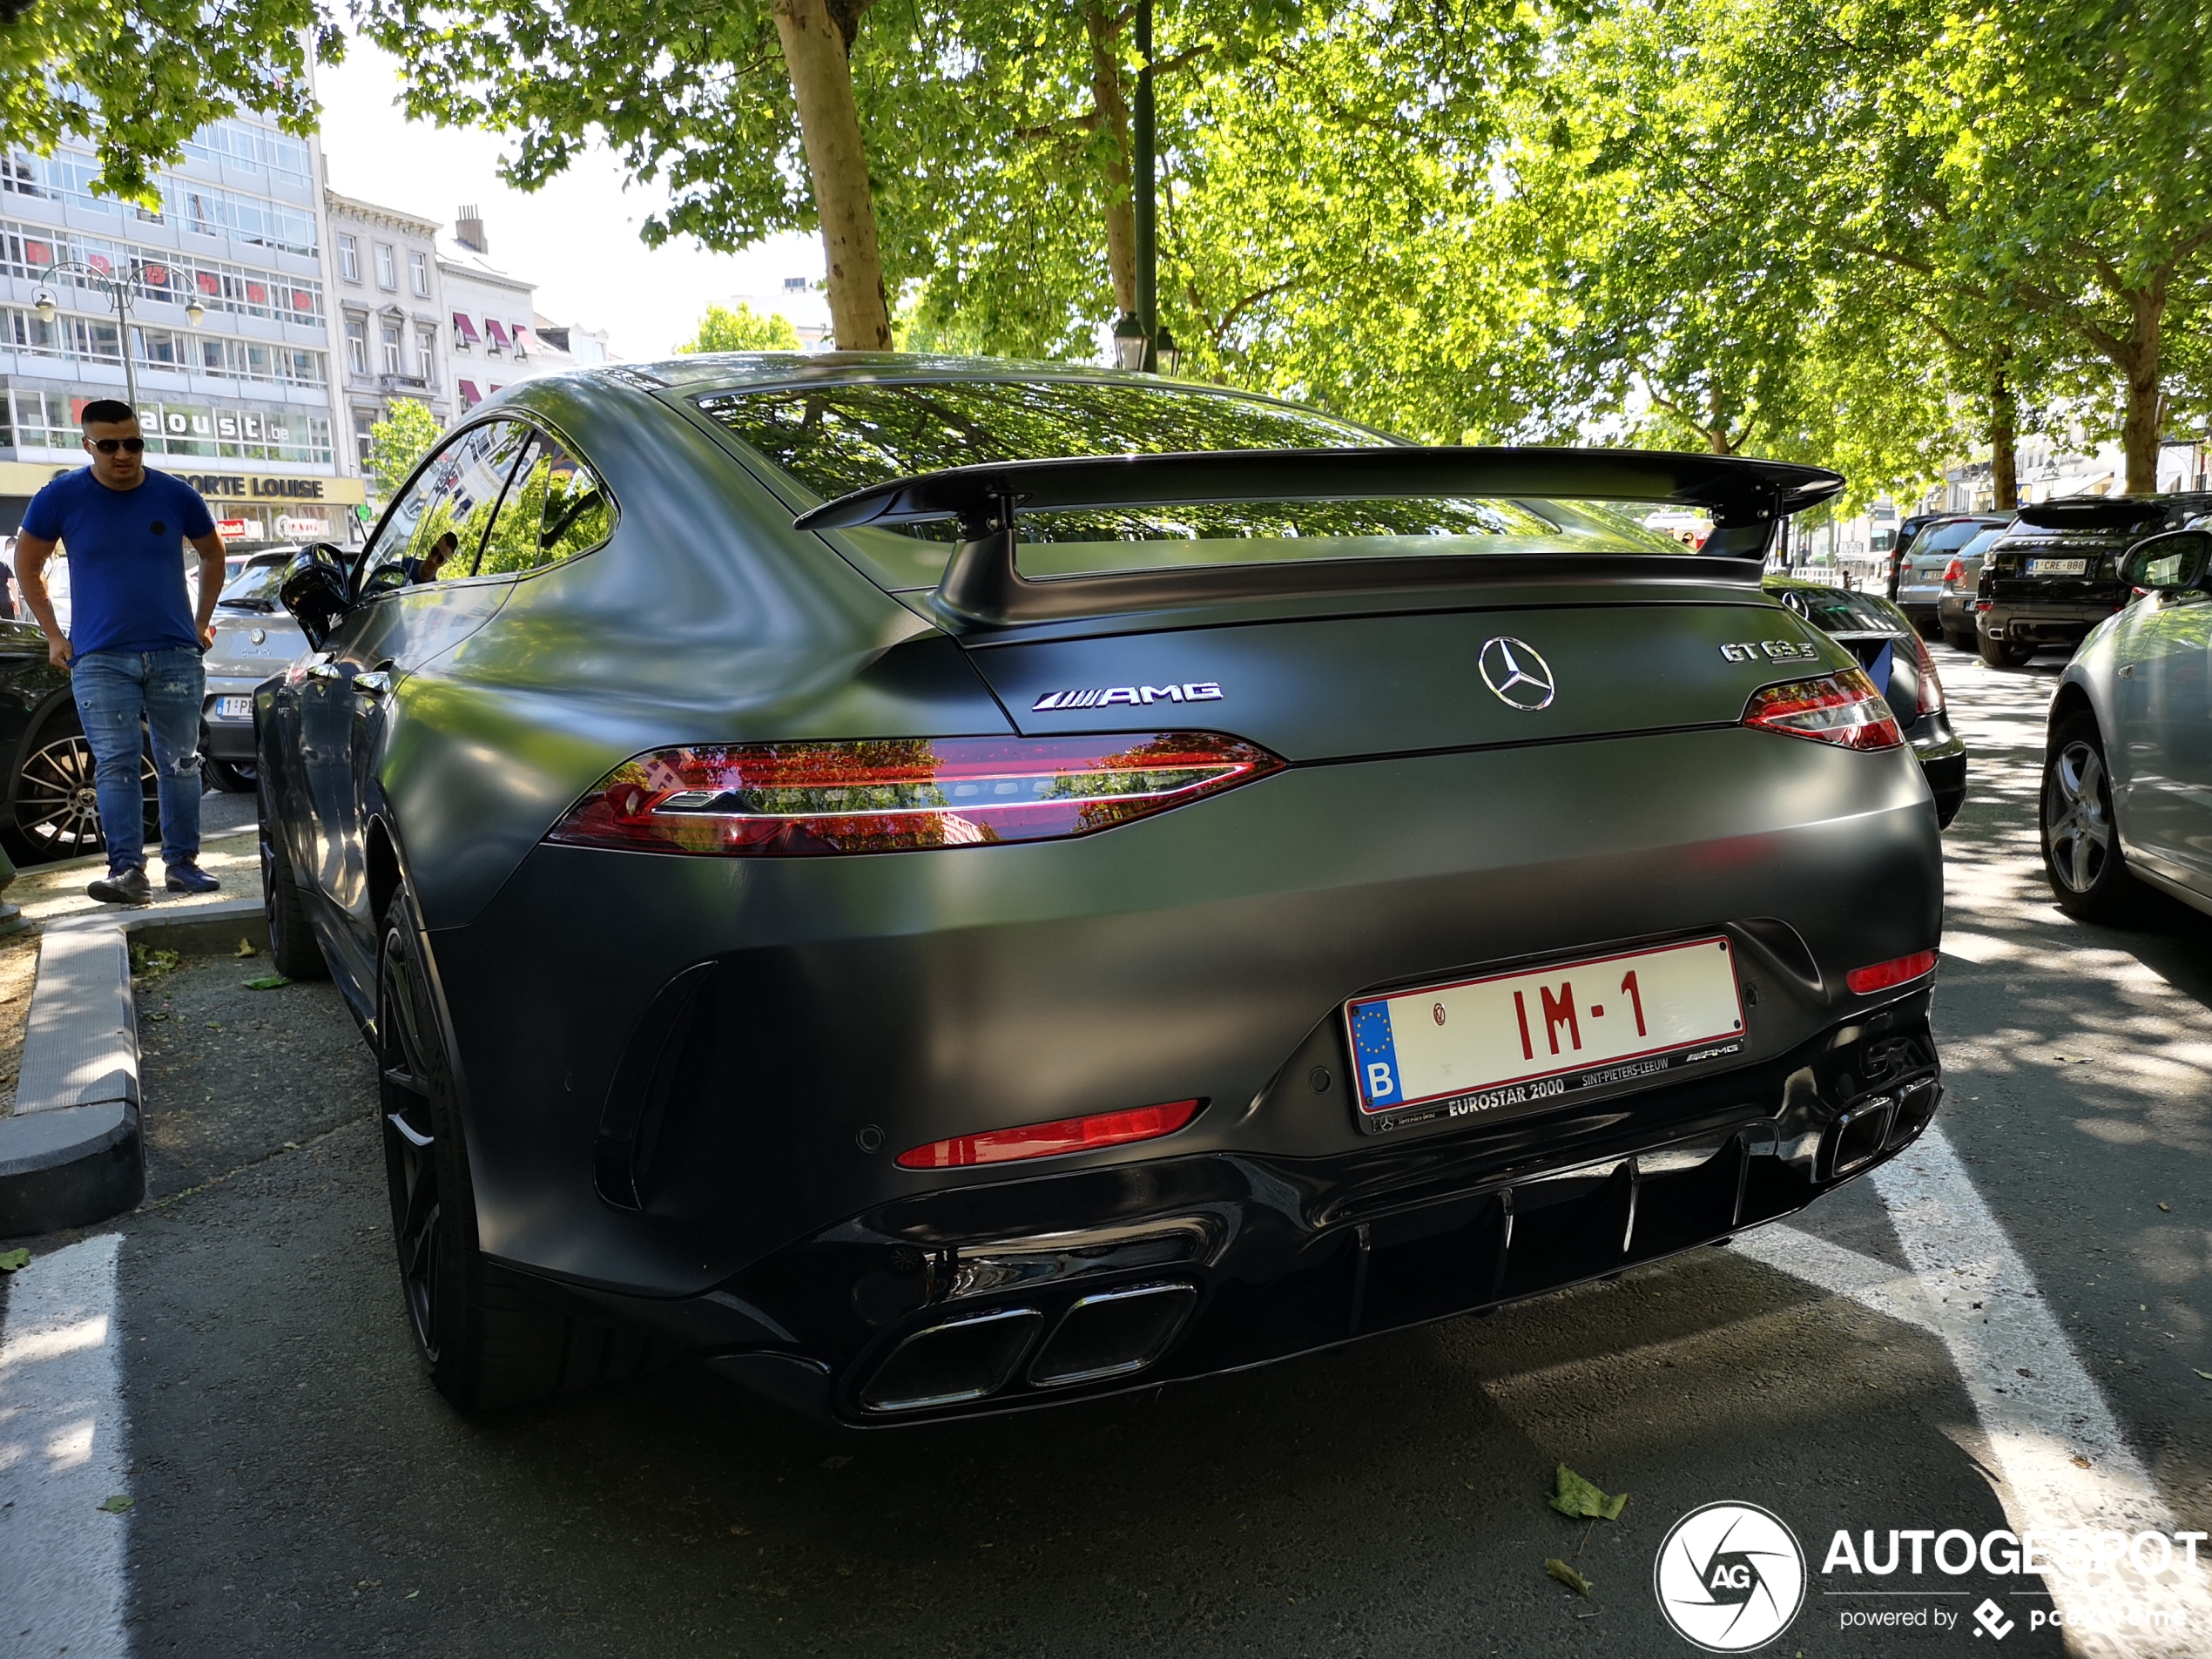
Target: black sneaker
[190, 878]
[124, 886]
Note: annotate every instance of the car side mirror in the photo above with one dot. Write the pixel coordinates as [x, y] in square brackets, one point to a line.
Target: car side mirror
[314, 590]
[2168, 565]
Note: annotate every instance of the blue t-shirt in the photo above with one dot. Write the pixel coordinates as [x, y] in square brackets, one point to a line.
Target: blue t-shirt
[126, 567]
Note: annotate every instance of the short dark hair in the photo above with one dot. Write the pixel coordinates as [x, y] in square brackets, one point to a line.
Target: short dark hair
[104, 409]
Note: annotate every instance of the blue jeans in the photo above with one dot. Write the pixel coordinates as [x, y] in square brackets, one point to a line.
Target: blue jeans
[114, 690]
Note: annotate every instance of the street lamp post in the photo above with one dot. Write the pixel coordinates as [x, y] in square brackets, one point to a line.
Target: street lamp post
[119, 291]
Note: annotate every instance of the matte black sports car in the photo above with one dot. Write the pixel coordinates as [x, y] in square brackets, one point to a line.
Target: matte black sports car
[1889, 648]
[941, 885]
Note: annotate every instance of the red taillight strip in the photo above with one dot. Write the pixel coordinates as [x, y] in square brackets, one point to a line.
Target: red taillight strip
[1882, 976]
[1841, 708]
[901, 794]
[1050, 1140]
[1931, 698]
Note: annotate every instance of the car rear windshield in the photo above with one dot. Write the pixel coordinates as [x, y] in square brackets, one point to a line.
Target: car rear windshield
[831, 440]
[1948, 538]
[255, 587]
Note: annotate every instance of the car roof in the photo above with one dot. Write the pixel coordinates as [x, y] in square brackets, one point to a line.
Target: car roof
[741, 371]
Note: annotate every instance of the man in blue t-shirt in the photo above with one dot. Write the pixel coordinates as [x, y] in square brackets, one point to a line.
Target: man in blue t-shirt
[133, 649]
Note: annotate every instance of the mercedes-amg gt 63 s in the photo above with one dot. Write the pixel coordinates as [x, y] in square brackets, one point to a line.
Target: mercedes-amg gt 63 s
[941, 887]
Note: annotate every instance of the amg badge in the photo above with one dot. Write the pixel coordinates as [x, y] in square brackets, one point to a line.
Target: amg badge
[1099, 696]
[1776, 651]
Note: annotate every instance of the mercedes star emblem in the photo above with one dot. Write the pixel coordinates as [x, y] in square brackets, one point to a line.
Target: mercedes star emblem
[1512, 669]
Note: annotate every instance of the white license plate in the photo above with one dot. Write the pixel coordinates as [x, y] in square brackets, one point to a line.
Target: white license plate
[2058, 567]
[234, 708]
[1514, 1042]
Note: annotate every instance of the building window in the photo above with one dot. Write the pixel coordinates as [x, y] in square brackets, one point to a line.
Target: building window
[364, 438]
[349, 258]
[392, 348]
[388, 273]
[425, 360]
[357, 345]
[418, 268]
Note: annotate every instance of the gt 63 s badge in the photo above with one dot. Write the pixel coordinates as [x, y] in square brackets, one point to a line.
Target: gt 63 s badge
[1730, 1577]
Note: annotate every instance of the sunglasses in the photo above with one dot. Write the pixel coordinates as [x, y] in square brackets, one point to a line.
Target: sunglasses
[109, 446]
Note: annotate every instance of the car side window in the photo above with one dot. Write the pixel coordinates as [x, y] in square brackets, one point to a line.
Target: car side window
[555, 510]
[2177, 564]
[434, 532]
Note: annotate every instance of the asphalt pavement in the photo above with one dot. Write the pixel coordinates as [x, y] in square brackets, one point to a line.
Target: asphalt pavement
[2006, 1331]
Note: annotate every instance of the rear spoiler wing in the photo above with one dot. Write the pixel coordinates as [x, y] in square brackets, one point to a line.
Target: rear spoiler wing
[1745, 499]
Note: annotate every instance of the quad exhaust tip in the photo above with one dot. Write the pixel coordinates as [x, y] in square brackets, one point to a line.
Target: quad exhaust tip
[1882, 1123]
[1108, 1333]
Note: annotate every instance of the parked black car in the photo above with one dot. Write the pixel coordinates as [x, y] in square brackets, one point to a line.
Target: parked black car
[2055, 575]
[49, 811]
[1899, 661]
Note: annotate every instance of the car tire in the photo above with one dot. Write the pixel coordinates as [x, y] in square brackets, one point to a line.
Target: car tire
[50, 810]
[2002, 653]
[232, 777]
[2081, 856]
[1958, 638]
[292, 941]
[486, 1336]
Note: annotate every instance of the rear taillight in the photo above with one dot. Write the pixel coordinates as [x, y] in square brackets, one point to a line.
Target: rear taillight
[1882, 976]
[1954, 573]
[1931, 698]
[1841, 708]
[1049, 1140]
[901, 794]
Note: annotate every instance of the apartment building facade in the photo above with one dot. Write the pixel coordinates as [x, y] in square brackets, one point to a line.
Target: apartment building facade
[390, 314]
[241, 401]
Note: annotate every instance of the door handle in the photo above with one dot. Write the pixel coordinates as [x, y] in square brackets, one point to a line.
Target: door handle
[326, 672]
[376, 682]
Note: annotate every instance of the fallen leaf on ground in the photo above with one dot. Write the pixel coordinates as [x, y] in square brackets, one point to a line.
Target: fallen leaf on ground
[1578, 1498]
[13, 1259]
[2080, 1462]
[246, 948]
[2167, 1208]
[118, 1504]
[1567, 1575]
[267, 982]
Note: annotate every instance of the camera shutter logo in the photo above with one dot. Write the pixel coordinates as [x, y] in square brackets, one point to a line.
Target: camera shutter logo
[1730, 1577]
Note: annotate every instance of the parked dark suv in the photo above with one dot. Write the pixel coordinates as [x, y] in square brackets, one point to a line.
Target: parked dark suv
[2055, 575]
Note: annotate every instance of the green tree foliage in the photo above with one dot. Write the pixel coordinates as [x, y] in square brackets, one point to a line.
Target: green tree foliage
[743, 329]
[135, 80]
[408, 432]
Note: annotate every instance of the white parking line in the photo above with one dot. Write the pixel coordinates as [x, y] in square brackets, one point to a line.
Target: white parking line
[2064, 1465]
[62, 1456]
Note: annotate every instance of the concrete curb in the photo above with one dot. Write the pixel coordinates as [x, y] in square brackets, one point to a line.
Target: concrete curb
[72, 1154]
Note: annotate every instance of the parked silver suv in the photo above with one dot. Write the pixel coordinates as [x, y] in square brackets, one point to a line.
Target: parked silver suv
[1919, 576]
[254, 638]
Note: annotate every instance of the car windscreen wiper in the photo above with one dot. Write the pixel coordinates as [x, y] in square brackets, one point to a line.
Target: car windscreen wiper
[246, 604]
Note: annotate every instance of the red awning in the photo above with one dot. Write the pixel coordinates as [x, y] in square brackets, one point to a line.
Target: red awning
[463, 327]
[497, 334]
[525, 345]
[470, 395]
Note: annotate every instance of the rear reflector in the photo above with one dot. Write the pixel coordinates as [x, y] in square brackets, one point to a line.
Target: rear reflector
[1882, 976]
[1841, 708]
[1047, 1140]
[901, 794]
[1930, 701]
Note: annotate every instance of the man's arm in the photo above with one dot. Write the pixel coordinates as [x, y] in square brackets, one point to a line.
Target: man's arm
[210, 549]
[31, 554]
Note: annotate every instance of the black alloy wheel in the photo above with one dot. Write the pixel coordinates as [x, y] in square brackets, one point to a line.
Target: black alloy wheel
[2081, 855]
[292, 941]
[52, 802]
[488, 1337]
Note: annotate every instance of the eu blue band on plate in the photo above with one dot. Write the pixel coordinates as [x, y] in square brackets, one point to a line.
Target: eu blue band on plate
[1374, 1052]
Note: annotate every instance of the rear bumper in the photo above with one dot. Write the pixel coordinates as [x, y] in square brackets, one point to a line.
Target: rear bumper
[2043, 624]
[232, 739]
[1034, 1291]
